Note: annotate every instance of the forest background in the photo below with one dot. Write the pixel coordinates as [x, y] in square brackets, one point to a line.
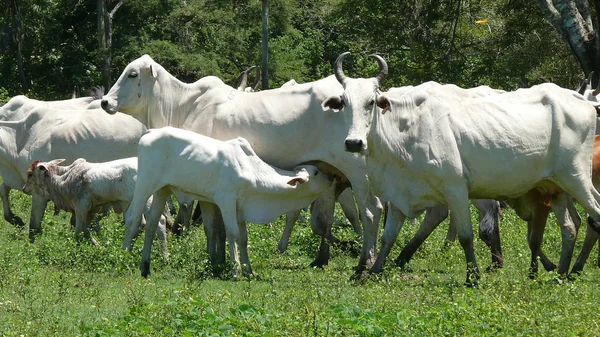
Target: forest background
[50, 47]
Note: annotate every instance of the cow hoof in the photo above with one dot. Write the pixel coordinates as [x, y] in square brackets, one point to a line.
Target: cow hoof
[16, 221]
[145, 269]
[549, 266]
[318, 263]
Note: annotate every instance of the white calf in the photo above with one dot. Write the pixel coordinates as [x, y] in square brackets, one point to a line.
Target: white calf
[228, 174]
[84, 188]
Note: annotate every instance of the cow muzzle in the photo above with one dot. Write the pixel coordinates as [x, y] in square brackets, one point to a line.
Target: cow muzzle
[355, 145]
[106, 105]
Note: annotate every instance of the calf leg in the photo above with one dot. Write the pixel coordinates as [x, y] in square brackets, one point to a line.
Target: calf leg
[8, 213]
[38, 207]
[346, 200]
[433, 217]
[290, 220]
[159, 198]
[244, 258]
[232, 231]
[395, 220]
[591, 237]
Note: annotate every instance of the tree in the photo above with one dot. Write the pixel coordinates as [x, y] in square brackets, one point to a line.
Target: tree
[573, 21]
[105, 20]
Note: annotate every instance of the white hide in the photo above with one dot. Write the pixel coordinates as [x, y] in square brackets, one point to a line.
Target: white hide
[227, 173]
[285, 126]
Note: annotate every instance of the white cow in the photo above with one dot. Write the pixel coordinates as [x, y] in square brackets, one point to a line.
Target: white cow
[433, 149]
[85, 188]
[46, 134]
[20, 106]
[228, 174]
[285, 126]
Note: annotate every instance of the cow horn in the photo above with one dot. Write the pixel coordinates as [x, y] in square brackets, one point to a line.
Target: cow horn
[337, 67]
[582, 86]
[383, 67]
[589, 78]
[241, 81]
[258, 78]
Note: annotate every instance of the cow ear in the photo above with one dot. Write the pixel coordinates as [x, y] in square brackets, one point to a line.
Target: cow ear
[153, 71]
[335, 103]
[297, 181]
[383, 103]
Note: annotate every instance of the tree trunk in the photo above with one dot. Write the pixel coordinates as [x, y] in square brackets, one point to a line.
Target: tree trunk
[265, 44]
[105, 19]
[19, 37]
[573, 21]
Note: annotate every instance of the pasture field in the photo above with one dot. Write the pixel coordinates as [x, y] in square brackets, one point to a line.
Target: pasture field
[57, 288]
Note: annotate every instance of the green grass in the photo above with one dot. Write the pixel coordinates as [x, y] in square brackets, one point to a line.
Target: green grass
[56, 287]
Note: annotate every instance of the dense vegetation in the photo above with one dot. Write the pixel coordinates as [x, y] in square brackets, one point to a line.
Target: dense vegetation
[48, 47]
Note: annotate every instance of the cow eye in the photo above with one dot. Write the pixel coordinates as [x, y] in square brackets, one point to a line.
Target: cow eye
[316, 173]
[133, 74]
[371, 102]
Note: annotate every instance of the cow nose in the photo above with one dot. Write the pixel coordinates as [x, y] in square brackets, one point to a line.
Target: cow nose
[104, 104]
[353, 145]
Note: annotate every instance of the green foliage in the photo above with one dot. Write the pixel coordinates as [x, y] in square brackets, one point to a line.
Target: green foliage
[504, 44]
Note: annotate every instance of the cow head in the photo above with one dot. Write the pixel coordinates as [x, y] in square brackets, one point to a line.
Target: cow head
[131, 92]
[37, 173]
[358, 102]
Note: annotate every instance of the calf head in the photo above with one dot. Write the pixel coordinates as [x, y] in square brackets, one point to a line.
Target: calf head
[358, 102]
[310, 179]
[37, 175]
[132, 91]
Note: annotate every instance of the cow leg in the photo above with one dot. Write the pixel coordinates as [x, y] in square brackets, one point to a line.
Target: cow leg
[546, 262]
[535, 229]
[568, 232]
[321, 219]
[433, 217]
[215, 235]
[489, 229]
[458, 204]
[395, 220]
[370, 209]
[346, 200]
[451, 234]
[38, 207]
[290, 220]
[8, 213]
[197, 215]
[183, 218]
[591, 237]
[159, 198]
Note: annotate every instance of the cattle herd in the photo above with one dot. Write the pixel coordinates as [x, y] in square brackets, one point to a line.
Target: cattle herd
[249, 155]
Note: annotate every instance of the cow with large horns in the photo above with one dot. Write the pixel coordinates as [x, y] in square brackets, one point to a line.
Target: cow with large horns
[433, 148]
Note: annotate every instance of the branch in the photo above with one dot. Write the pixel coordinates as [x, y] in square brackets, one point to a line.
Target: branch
[114, 10]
